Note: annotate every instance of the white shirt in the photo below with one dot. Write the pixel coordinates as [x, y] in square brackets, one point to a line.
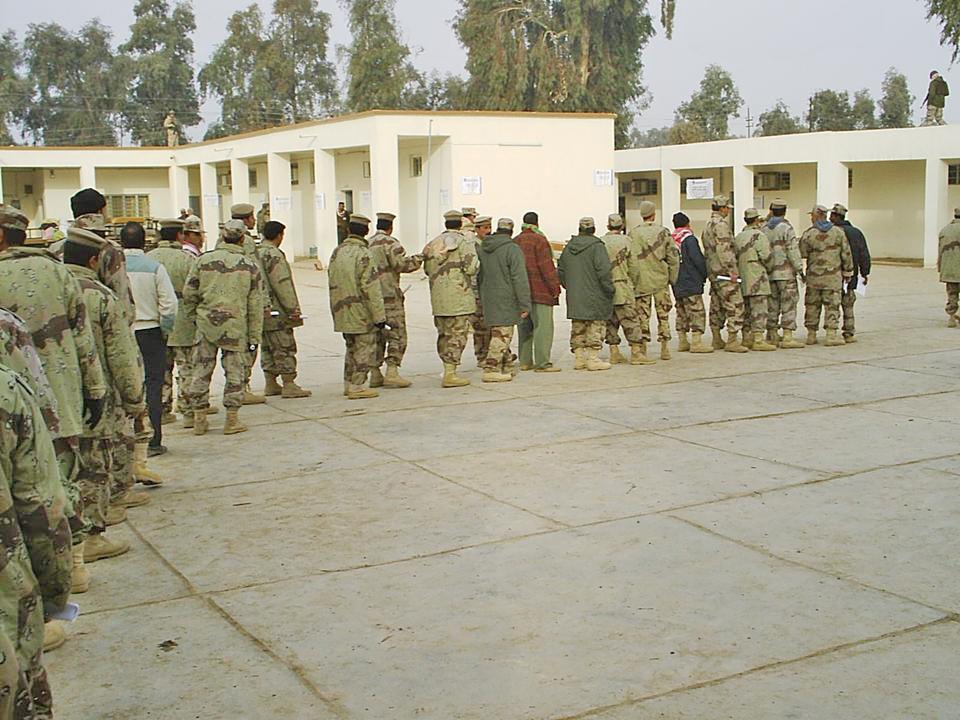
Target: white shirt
[153, 293]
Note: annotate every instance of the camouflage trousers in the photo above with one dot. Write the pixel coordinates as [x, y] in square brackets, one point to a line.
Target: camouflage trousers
[691, 314]
[829, 300]
[847, 301]
[953, 298]
[499, 352]
[249, 362]
[392, 341]
[360, 357]
[481, 336]
[625, 316]
[756, 311]
[278, 354]
[184, 363]
[123, 445]
[234, 368]
[663, 304]
[68, 460]
[24, 686]
[96, 466]
[452, 334]
[782, 308]
[166, 392]
[934, 116]
[726, 306]
[586, 334]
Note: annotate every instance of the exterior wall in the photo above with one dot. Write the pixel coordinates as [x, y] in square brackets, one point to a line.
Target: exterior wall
[154, 182]
[888, 201]
[350, 177]
[59, 185]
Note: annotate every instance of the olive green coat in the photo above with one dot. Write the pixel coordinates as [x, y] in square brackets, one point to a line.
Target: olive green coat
[657, 260]
[281, 292]
[450, 261]
[224, 299]
[178, 265]
[948, 260]
[753, 256]
[356, 300]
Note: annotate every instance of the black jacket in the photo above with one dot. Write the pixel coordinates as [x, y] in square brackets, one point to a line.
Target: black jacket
[860, 251]
[693, 269]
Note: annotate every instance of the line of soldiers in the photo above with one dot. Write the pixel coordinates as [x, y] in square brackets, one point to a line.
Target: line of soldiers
[488, 282]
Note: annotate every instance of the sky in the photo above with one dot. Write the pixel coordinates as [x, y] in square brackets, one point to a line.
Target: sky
[774, 49]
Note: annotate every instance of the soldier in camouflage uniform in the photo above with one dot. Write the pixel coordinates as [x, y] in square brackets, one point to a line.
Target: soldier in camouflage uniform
[117, 351]
[481, 332]
[18, 353]
[784, 268]
[829, 265]
[279, 353]
[244, 212]
[948, 265]
[223, 299]
[624, 267]
[356, 302]
[451, 264]
[753, 258]
[389, 261]
[183, 338]
[726, 302]
[657, 265]
[35, 546]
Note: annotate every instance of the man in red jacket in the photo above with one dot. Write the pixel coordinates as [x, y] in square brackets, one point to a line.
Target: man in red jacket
[536, 331]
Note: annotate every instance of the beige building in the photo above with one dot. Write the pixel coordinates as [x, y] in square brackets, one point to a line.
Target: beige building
[900, 185]
[414, 164]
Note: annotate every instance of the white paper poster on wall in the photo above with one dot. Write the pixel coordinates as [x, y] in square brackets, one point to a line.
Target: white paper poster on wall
[471, 186]
[366, 200]
[281, 202]
[603, 178]
[444, 199]
[320, 201]
[211, 200]
[700, 189]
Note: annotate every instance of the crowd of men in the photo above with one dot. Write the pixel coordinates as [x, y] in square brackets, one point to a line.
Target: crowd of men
[488, 282]
[92, 332]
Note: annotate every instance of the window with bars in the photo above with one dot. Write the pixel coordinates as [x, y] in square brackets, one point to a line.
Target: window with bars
[128, 205]
[767, 181]
[953, 174]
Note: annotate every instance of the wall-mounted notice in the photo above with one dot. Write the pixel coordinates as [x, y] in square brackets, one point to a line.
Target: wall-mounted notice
[211, 200]
[471, 186]
[603, 178]
[320, 201]
[700, 189]
[281, 202]
[444, 199]
[366, 200]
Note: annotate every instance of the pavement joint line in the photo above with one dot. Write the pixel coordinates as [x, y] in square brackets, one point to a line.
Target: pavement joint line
[843, 577]
[298, 671]
[775, 665]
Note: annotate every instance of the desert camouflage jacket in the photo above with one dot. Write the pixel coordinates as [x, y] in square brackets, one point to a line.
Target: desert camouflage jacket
[45, 295]
[624, 267]
[223, 298]
[753, 255]
[356, 300]
[18, 353]
[657, 260]
[451, 263]
[281, 292]
[718, 249]
[35, 561]
[828, 255]
[390, 259]
[785, 261]
[117, 350]
[948, 260]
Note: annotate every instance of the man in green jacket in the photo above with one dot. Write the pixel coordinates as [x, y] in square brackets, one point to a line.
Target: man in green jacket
[223, 299]
[656, 270]
[948, 265]
[584, 270]
[450, 262]
[356, 301]
[505, 296]
[936, 99]
[753, 257]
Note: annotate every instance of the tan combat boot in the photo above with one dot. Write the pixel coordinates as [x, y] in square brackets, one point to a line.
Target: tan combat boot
[272, 388]
[747, 341]
[684, 343]
[616, 358]
[496, 375]
[167, 418]
[450, 377]
[594, 362]
[393, 378]
[638, 355]
[811, 336]
[848, 339]
[697, 346]
[212, 409]
[665, 350]
[580, 359]
[789, 342]
[200, 422]
[717, 339]
[130, 499]
[97, 547]
[376, 378]
[188, 420]
[292, 391]
[773, 336]
[53, 635]
[761, 345]
[834, 340]
[952, 321]
[361, 392]
[79, 577]
[250, 398]
[734, 345]
[116, 515]
[140, 471]
[232, 426]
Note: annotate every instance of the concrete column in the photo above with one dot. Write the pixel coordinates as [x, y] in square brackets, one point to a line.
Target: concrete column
[88, 176]
[210, 204]
[742, 193]
[281, 204]
[179, 189]
[669, 195]
[936, 214]
[1, 185]
[239, 181]
[385, 177]
[324, 236]
[832, 184]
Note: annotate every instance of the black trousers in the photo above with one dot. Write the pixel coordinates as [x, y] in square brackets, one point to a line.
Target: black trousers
[153, 348]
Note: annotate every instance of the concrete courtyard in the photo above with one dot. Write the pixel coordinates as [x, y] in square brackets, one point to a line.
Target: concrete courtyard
[772, 535]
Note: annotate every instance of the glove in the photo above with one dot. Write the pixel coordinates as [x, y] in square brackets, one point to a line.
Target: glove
[92, 411]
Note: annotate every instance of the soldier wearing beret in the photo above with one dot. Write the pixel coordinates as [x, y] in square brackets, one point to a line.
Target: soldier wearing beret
[829, 265]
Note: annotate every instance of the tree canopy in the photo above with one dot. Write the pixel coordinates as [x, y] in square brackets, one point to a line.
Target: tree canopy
[897, 102]
[711, 107]
[947, 13]
[778, 120]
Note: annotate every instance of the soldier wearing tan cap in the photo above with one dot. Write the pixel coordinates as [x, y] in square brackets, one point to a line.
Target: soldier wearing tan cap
[481, 333]
[785, 267]
[244, 212]
[390, 260]
[726, 302]
[450, 261]
[624, 267]
[829, 265]
[948, 265]
[753, 257]
[657, 265]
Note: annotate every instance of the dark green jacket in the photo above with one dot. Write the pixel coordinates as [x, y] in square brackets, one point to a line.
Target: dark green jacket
[937, 93]
[584, 270]
[504, 288]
